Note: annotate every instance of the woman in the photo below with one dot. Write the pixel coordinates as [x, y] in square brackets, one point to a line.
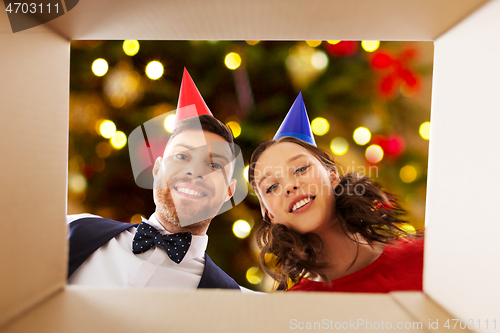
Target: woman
[340, 233]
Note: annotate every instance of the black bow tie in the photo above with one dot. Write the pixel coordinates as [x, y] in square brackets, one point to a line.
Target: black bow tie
[176, 245]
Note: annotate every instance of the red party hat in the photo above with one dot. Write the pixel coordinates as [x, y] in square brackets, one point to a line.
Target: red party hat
[190, 95]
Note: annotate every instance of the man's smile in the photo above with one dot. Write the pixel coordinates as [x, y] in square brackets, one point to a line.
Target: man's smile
[189, 191]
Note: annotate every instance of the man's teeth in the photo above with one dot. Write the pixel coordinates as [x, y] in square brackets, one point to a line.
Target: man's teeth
[188, 191]
[300, 203]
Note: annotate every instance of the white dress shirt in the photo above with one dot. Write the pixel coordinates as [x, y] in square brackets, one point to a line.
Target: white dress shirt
[114, 264]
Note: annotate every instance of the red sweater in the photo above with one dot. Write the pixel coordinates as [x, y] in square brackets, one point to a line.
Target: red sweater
[399, 267]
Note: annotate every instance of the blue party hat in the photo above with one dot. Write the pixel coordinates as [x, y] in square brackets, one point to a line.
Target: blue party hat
[296, 123]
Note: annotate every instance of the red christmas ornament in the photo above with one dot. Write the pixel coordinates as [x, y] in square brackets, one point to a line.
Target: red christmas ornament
[396, 72]
[342, 48]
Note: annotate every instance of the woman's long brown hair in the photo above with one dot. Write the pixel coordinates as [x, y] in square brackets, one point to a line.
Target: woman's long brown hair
[362, 208]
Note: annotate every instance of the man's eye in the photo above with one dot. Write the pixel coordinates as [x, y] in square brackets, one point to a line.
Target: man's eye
[216, 166]
[301, 169]
[271, 188]
[181, 156]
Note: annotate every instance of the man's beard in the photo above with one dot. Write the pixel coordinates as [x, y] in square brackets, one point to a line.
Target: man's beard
[185, 214]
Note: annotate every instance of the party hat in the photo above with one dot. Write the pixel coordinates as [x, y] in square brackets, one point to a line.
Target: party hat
[296, 123]
[190, 95]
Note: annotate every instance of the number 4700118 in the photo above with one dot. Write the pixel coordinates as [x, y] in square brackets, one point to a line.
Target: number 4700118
[24, 7]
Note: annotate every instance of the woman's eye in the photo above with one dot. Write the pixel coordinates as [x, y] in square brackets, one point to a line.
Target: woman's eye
[302, 169]
[181, 156]
[271, 188]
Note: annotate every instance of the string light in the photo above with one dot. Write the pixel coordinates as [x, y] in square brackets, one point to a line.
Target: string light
[235, 128]
[425, 130]
[245, 172]
[154, 70]
[313, 43]
[241, 228]
[362, 136]
[408, 173]
[169, 123]
[100, 67]
[370, 45]
[107, 128]
[131, 47]
[119, 140]
[339, 146]
[232, 60]
[320, 126]
[254, 275]
[319, 60]
[374, 153]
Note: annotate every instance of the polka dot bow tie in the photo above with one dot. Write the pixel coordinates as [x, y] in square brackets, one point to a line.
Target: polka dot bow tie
[176, 245]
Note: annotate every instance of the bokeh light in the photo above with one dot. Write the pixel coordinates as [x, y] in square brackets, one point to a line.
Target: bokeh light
[253, 42]
[370, 45]
[119, 140]
[374, 153]
[313, 43]
[232, 60]
[254, 275]
[241, 228]
[408, 173]
[76, 182]
[235, 128]
[103, 149]
[245, 172]
[131, 47]
[425, 130]
[107, 128]
[154, 70]
[362, 136]
[319, 60]
[320, 126]
[333, 42]
[137, 218]
[100, 67]
[169, 123]
[339, 146]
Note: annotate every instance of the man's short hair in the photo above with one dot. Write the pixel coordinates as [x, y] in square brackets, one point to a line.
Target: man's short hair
[208, 124]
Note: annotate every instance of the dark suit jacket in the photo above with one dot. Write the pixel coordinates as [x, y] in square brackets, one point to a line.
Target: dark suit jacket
[86, 235]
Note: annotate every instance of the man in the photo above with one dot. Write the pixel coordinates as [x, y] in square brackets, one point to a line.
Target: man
[191, 183]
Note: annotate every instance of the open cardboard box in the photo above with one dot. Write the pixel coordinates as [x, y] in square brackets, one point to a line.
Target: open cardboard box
[461, 271]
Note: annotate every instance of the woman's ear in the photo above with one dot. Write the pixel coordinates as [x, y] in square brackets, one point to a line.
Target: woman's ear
[334, 177]
[265, 213]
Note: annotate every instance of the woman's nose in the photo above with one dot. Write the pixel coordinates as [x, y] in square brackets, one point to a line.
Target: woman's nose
[291, 189]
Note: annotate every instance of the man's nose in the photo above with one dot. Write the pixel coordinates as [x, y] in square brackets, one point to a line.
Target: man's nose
[197, 170]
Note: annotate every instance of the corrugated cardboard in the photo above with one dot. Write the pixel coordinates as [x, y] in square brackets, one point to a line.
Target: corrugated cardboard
[460, 270]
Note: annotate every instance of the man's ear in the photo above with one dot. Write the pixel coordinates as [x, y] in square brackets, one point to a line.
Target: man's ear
[231, 189]
[157, 166]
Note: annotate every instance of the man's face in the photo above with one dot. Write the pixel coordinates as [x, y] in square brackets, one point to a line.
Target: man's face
[193, 179]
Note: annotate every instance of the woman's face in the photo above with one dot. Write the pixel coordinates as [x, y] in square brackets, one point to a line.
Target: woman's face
[295, 188]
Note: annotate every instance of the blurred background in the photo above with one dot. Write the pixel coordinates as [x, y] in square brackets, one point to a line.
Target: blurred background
[368, 103]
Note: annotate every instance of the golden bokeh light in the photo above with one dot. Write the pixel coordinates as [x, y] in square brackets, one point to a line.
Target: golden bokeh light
[370, 45]
[320, 126]
[235, 128]
[100, 67]
[131, 47]
[119, 140]
[241, 228]
[154, 70]
[232, 60]
[339, 146]
[362, 136]
[374, 153]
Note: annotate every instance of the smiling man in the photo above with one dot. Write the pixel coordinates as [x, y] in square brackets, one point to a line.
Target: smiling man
[192, 181]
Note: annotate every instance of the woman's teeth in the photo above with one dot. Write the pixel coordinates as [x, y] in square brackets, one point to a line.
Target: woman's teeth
[188, 191]
[301, 203]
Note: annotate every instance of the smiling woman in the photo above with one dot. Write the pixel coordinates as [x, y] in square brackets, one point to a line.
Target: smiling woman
[325, 231]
